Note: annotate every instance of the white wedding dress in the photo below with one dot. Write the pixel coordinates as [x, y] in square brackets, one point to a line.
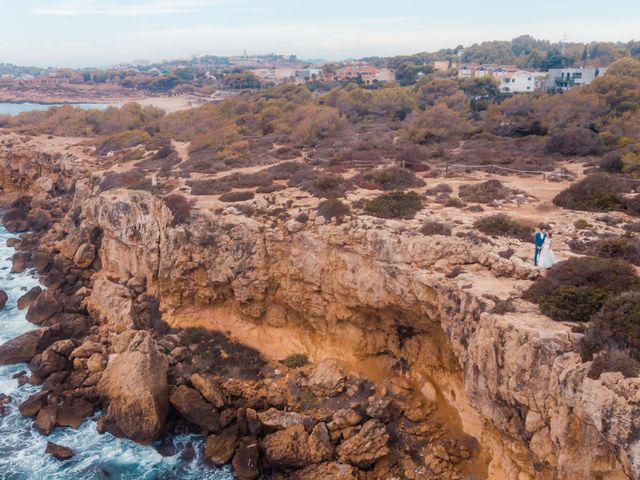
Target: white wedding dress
[547, 259]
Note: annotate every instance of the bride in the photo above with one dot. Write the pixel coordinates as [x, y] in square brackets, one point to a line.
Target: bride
[547, 258]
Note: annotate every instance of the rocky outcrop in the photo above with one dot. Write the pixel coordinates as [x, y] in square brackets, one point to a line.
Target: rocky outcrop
[134, 387]
[376, 291]
[195, 408]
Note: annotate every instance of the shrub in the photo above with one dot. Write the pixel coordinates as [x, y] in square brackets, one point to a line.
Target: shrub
[611, 163]
[236, 196]
[333, 208]
[632, 227]
[502, 307]
[394, 205]
[596, 193]
[485, 192]
[574, 141]
[391, 178]
[285, 170]
[501, 225]
[576, 288]
[247, 180]
[435, 228]
[617, 247]
[295, 360]
[440, 188]
[179, 206]
[619, 321]
[321, 185]
[613, 360]
[274, 187]
[454, 202]
[302, 218]
[120, 141]
[208, 186]
[129, 179]
[574, 304]
[581, 224]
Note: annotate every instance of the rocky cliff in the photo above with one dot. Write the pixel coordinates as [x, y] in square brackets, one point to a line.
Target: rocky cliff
[366, 289]
[379, 297]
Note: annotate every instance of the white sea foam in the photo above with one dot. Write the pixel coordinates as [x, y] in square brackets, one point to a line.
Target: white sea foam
[97, 456]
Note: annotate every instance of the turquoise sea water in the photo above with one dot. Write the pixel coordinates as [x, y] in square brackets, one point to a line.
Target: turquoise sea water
[97, 456]
[16, 108]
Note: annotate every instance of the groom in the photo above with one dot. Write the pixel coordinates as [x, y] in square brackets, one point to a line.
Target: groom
[539, 239]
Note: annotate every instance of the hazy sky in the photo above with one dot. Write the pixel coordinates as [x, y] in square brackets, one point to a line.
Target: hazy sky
[93, 32]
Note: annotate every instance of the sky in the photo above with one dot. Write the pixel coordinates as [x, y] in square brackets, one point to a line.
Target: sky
[79, 33]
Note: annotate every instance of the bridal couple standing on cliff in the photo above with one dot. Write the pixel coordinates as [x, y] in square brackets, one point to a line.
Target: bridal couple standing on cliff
[543, 256]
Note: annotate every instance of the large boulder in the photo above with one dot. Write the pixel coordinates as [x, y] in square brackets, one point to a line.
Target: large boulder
[59, 451]
[327, 379]
[45, 307]
[73, 411]
[25, 347]
[21, 348]
[15, 220]
[47, 362]
[277, 419]
[209, 389]
[46, 418]
[288, 448]
[85, 255]
[245, 461]
[134, 389]
[367, 446]
[38, 219]
[19, 262]
[323, 471]
[195, 408]
[26, 300]
[219, 449]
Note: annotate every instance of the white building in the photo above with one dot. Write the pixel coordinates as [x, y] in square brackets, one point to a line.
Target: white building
[520, 81]
[567, 78]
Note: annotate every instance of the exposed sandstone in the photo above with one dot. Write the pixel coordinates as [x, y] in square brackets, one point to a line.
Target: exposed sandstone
[219, 449]
[366, 447]
[209, 389]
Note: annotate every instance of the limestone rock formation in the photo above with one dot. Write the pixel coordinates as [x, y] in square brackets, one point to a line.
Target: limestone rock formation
[134, 386]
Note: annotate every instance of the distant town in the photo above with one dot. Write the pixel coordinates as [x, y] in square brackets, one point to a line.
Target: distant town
[523, 65]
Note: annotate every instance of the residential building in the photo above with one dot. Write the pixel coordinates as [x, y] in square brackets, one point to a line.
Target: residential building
[568, 78]
[520, 81]
[366, 73]
[306, 74]
[443, 65]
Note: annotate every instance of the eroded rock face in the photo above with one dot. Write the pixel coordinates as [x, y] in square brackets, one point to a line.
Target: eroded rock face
[134, 386]
[219, 449]
[499, 367]
[288, 447]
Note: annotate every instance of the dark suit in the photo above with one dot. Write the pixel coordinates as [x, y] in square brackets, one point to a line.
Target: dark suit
[538, 240]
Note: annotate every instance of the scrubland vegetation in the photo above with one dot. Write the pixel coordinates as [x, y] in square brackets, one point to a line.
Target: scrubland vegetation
[310, 137]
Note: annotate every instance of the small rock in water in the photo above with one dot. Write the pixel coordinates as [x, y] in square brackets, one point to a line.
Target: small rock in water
[3, 299]
[59, 451]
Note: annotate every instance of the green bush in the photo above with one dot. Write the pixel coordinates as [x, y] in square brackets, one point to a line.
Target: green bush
[440, 188]
[435, 228]
[574, 141]
[392, 178]
[295, 360]
[611, 163]
[573, 304]
[333, 208]
[208, 186]
[614, 361]
[120, 141]
[485, 192]
[596, 193]
[501, 225]
[236, 196]
[454, 202]
[619, 321]
[394, 205]
[581, 224]
[574, 290]
[323, 185]
[179, 206]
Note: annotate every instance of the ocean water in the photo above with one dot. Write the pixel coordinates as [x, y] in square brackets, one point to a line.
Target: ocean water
[97, 456]
[16, 108]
